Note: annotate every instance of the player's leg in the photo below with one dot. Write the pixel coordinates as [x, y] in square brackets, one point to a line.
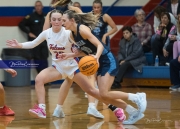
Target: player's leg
[92, 111]
[45, 76]
[4, 110]
[63, 92]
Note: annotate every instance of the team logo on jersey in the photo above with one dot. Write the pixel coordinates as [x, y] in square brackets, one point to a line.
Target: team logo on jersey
[55, 47]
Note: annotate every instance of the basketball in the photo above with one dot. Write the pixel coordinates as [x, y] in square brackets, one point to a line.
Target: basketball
[88, 65]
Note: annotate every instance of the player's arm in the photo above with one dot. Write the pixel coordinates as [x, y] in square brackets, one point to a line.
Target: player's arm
[26, 45]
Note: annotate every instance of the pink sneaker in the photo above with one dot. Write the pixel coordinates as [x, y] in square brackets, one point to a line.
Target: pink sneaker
[37, 112]
[119, 113]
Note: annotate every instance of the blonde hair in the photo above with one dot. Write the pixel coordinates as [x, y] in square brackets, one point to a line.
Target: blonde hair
[60, 2]
[87, 19]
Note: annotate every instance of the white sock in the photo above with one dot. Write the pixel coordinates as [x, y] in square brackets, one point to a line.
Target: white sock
[132, 97]
[59, 106]
[2, 107]
[43, 106]
[129, 109]
[91, 104]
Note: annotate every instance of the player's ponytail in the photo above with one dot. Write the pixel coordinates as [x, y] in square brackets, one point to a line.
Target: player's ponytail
[60, 2]
[87, 19]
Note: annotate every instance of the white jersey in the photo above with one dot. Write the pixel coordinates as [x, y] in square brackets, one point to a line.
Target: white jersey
[57, 43]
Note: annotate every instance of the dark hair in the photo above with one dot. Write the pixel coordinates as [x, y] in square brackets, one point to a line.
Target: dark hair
[159, 10]
[98, 2]
[60, 2]
[167, 14]
[54, 11]
[87, 19]
[128, 28]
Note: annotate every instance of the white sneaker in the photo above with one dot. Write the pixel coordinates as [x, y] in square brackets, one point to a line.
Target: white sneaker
[141, 102]
[92, 111]
[58, 112]
[134, 117]
[96, 125]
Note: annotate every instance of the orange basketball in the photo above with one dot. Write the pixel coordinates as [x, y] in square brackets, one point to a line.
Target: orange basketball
[88, 65]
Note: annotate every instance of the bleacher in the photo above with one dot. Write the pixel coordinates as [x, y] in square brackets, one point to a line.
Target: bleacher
[151, 76]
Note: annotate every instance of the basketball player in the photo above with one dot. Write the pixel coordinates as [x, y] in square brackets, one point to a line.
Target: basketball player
[58, 112]
[4, 110]
[101, 31]
[82, 35]
[59, 41]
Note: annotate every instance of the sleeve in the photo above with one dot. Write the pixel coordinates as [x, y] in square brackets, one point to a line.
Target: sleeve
[149, 34]
[171, 32]
[173, 19]
[137, 51]
[35, 42]
[120, 56]
[24, 23]
[156, 23]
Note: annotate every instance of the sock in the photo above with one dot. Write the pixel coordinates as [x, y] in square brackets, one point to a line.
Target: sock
[43, 106]
[91, 104]
[1, 106]
[129, 109]
[112, 107]
[59, 106]
[132, 97]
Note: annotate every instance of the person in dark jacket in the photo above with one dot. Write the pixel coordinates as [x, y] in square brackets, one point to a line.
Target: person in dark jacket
[32, 25]
[130, 55]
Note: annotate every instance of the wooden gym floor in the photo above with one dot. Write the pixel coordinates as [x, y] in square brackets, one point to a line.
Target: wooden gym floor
[163, 110]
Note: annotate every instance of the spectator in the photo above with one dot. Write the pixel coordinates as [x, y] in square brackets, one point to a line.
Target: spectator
[176, 46]
[162, 46]
[173, 7]
[157, 17]
[101, 30]
[77, 4]
[130, 55]
[143, 30]
[35, 22]
[174, 74]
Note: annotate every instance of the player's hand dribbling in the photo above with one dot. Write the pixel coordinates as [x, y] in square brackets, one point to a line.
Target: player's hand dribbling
[63, 56]
[96, 59]
[12, 72]
[13, 43]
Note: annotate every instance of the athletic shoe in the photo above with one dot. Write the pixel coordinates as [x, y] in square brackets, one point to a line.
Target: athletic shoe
[134, 117]
[97, 125]
[174, 88]
[58, 112]
[92, 111]
[141, 102]
[119, 113]
[6, 111]
[37, 112]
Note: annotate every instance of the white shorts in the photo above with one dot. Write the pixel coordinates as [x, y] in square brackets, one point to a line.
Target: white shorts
[67, 68]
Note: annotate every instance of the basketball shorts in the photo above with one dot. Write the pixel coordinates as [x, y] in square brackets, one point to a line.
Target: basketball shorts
[67, 68]
[108, 64]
